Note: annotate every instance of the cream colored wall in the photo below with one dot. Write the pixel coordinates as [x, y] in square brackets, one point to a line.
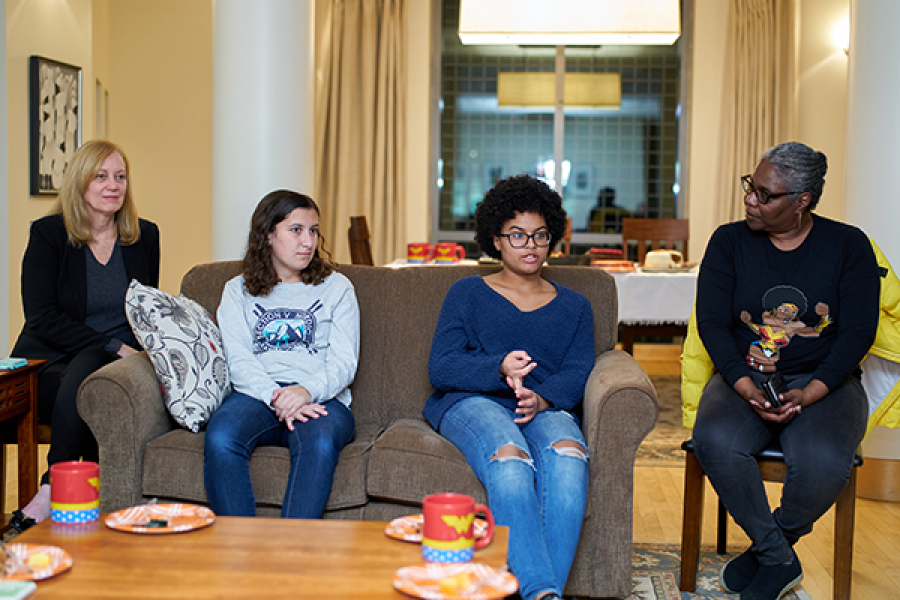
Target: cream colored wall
[710, 19]
[418, 120]
[822, 103]
[822, 79]
[60, 30]
[160, 87]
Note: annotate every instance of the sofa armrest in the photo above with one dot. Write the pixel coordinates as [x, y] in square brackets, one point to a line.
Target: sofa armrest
[122, 403]
[620, 409]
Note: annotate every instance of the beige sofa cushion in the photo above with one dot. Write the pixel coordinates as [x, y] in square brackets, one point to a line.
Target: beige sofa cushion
[410, 461]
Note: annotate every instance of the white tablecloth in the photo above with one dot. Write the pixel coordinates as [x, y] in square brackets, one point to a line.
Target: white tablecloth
[655, 298]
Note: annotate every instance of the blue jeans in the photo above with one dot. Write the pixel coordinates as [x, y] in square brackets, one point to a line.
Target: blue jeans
[241, 424]
[540, 498]
[819, 445]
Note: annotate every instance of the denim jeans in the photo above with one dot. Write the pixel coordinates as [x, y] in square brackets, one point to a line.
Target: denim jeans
[241, 424]
[819, 445]
[541, 499]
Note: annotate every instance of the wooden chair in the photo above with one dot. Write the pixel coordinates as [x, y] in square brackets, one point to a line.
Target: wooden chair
[654, 231]
[772, 468]
[360, 251]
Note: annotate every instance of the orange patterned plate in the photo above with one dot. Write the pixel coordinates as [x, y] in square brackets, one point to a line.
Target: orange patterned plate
[409, 529]
[435, 581]
[161, 518]
[35, 562]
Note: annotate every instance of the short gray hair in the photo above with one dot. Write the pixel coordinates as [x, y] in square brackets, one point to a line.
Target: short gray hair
[802, 168]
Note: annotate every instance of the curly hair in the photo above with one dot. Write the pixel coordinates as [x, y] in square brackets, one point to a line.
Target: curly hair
[802, 167]
[81, 171]
[518, 194]
[259, 272]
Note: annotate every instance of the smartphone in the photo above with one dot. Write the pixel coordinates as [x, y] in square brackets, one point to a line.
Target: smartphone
[772, 386]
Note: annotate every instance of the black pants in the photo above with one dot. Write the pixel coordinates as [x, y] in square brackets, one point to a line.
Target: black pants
[58, 383]
[819, 445]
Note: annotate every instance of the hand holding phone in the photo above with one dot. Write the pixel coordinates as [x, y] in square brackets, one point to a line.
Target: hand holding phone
[772, 386]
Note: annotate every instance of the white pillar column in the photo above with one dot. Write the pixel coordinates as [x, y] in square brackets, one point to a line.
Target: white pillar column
[263, 130]
[871, 163]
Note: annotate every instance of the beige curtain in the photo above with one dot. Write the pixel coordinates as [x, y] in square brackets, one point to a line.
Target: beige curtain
[361, 123]
[759, 92]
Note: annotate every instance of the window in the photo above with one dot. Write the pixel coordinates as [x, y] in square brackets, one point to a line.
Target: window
[616, 163]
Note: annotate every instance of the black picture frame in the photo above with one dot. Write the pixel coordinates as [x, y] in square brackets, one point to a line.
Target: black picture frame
[55, 121]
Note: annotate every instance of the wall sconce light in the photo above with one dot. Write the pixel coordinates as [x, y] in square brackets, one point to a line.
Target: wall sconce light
[840, 36]
[569, 22]
[581, 90]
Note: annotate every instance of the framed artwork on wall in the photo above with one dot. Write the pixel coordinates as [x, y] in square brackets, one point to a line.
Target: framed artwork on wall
[55, 121]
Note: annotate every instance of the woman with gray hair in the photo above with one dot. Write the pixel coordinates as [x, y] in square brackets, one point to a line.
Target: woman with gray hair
[791, 293]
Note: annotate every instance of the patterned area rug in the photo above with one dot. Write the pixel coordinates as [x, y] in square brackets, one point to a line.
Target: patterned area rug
[657, 568]
[662, 447]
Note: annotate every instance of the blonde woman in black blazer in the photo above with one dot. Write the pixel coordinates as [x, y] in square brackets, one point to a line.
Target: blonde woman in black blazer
[75, 272]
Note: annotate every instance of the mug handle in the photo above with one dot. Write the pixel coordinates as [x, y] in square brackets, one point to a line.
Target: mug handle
[461, 254]
[489, 517]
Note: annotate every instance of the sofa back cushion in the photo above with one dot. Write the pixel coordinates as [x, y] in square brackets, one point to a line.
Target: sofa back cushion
[399, 309]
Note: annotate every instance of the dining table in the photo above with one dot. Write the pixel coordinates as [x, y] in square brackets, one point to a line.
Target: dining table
[654, 302]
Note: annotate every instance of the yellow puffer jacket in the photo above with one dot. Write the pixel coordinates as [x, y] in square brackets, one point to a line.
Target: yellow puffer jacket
[697, 367]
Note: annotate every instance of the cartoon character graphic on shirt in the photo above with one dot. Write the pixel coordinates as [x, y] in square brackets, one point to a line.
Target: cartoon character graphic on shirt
[783, 305]
[284, 329]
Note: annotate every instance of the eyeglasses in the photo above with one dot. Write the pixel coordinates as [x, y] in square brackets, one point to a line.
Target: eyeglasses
[520, 239]
[761, 197]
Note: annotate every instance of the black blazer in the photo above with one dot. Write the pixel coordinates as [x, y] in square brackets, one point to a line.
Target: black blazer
[54, 288]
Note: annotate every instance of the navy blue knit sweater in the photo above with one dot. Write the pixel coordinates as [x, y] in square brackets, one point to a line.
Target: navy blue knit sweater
[478, 327]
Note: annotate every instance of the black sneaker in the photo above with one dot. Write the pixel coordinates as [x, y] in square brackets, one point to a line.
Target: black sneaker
[772, 582]
[738, 572]
[20, 522]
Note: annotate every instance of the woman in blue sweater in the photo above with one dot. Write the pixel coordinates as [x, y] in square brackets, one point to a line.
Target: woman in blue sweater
[511, 355]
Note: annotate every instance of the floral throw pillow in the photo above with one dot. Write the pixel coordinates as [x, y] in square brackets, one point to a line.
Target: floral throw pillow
[185, 346]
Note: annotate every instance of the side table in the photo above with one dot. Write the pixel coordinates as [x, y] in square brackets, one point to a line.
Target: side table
[18, 399]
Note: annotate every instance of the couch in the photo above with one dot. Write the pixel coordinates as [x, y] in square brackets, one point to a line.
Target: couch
[396, 458]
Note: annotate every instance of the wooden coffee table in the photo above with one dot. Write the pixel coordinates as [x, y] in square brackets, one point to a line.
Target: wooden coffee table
[237, 558]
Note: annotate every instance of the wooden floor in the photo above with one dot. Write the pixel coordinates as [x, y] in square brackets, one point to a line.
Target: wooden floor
[658, 494]
[657, 516]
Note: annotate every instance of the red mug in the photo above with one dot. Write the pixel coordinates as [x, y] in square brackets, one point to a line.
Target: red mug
[448, 252]
[74, 492]
[418, 253]
[448, 528]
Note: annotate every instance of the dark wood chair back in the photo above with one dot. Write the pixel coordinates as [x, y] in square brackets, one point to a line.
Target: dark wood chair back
[360, 250]
[655, 231]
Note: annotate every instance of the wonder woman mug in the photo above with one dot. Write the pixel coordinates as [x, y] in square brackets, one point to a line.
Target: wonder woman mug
[74, 492]
[448, 531]
[418, 253]
[448, 253]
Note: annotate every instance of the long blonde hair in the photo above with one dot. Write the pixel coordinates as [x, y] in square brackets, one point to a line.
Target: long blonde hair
[81, 170]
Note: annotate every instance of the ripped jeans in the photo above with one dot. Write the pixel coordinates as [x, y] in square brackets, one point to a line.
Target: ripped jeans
[540, 498]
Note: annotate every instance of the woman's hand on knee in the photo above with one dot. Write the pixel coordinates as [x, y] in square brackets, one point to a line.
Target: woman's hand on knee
[530, 403]
[304, 414]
